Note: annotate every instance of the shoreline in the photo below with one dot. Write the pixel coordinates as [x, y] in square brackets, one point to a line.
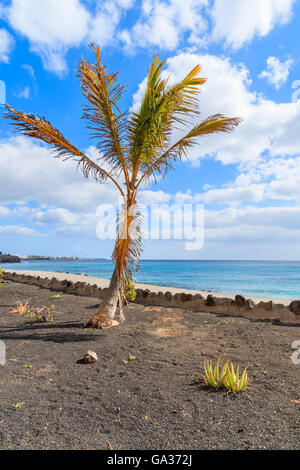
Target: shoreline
[103, 283]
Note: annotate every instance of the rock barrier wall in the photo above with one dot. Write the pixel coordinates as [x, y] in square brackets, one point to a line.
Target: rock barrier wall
[240, 306]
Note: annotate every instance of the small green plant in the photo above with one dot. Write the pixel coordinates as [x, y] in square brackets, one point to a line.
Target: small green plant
[213, 376]
[129, 290]
[19, 405]
[227, 377]
[233, 382]
[21, 309]
[131, 357]
[44, 314]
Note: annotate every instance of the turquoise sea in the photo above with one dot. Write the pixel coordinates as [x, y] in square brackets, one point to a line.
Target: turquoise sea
[262, 278]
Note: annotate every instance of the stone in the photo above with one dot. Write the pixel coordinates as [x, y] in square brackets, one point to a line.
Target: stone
[210, 301]
[185, 297]
[239, 301]
[90, 356]
[53, 280]
[295, 307]
[146, 293]
[224, 301]
[139, 293]
[266, 305]
[168, 296]
[198, 297]
[89, 291]
[250, 304]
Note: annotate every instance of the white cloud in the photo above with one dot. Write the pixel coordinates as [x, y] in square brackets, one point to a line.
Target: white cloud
[50, 21]
[17, 230]
[6, 45]
[53, 216]
[29, 69]
[255, 230]
[30, 173]
[237, 22]
[269, 179]
[52, 27]
[23, 93]
[183, 198]
[4, 211]
[276, 72]
[153, 197]
[103, 25]
[66, 202]
[233, 195]
[285, 217]
[163, 24]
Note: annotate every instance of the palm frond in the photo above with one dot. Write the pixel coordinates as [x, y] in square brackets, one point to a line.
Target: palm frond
[163, 107]
[105, 120]
[39, 128]
[128, 245]
[211, 125]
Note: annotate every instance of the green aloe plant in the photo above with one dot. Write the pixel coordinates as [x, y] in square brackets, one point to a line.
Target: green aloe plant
[213, 376]
[233, 382]
[225, 377]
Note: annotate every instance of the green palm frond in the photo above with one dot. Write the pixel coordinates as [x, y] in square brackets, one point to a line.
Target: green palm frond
[39, 128]
[163, 108]
[105, 120]
[211, 125]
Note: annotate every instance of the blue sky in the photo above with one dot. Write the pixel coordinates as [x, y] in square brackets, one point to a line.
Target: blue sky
[249, 181]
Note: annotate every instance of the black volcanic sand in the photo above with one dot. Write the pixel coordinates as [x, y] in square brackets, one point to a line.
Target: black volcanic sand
[157, 401]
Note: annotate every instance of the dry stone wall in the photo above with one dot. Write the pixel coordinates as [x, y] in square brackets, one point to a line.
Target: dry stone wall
[240, 306]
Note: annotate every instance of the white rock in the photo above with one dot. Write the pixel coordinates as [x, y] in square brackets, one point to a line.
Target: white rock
[90, 356]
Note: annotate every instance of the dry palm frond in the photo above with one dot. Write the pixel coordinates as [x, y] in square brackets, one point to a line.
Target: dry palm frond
[107, 123]
[128, 245]
[39, 128]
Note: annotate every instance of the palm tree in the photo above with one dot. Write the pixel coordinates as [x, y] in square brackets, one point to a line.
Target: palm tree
[133, 148]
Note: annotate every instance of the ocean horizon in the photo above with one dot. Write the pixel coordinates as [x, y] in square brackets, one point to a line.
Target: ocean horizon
[278, 279]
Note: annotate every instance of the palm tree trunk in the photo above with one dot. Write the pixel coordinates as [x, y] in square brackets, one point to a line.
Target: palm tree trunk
[104, 316]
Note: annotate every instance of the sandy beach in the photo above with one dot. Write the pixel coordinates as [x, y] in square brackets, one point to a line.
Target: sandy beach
[103, 283]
